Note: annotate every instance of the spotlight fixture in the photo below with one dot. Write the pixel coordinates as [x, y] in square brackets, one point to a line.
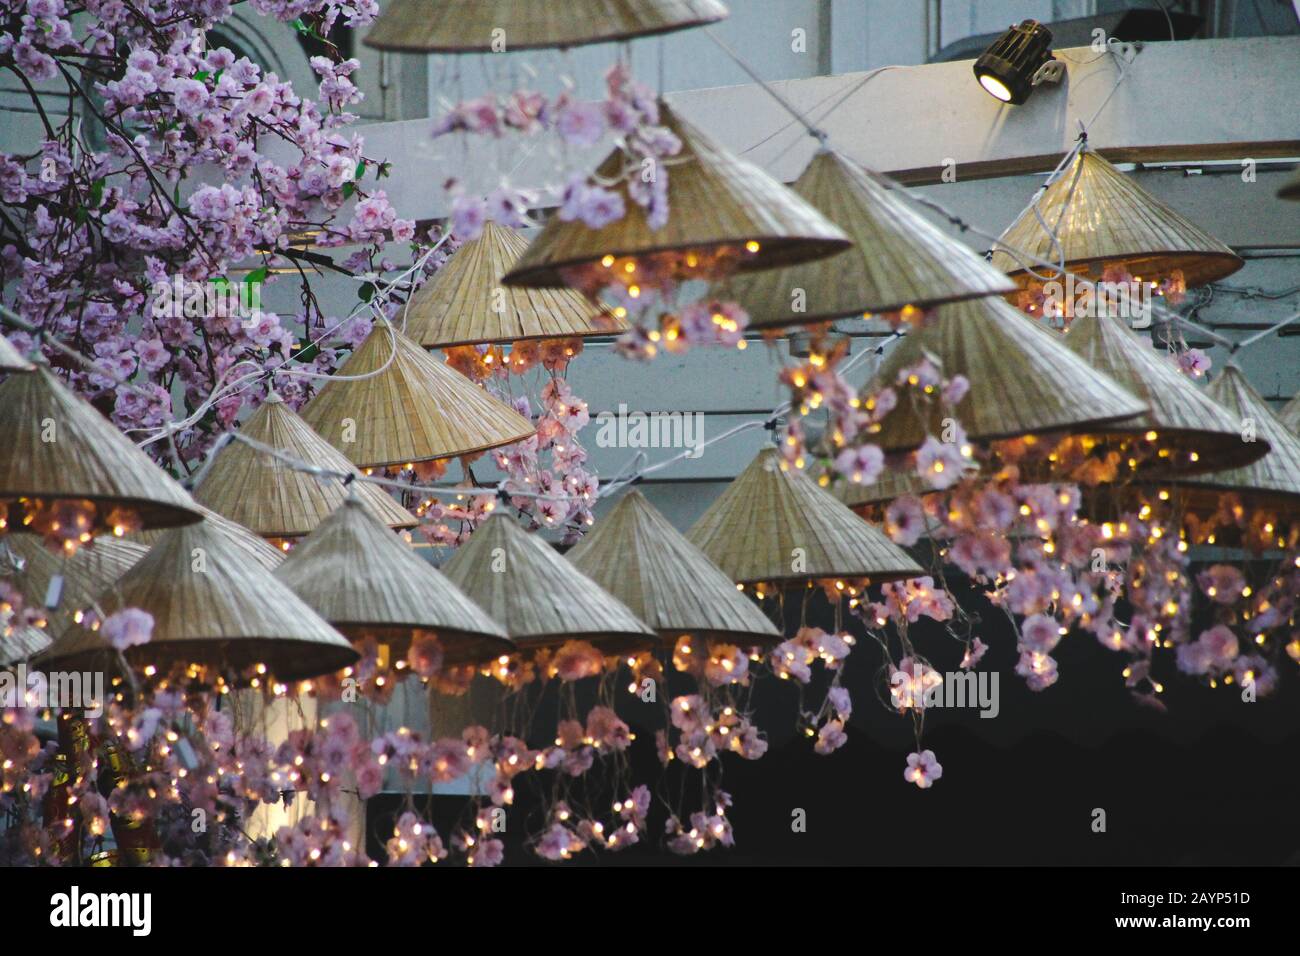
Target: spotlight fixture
[1018, 61]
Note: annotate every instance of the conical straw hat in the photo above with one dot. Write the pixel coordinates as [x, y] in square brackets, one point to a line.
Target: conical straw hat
[893, 483]
[215, 604]
[898, 257]
[274, 499]
[416, 409]
[21, 643]
[1275, 478]
[641, 559]
[1103, 218]
[773, 524]
[1023, 380]
[471, 26]
[11, 360]
[263, 552]
[87, 458]
[367, 582]
[466, 303]
[1198, 434]
[536, 595]
[717, 204]
[1290, 414]
[86, 573]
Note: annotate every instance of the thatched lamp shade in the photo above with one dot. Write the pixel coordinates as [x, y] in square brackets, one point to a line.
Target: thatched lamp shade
[893, 483]
[1272, 481]
[641, 559]
[86, 573]
[473, 26]
[725, 215]
[466, 303]
[1023, 380]
[536, 595]
[1193, 433]
[773, 524]
[416, 409]
[216, 606]
[275, 500]
[1290, 414]
[1103, 218]
[898, 259]
[362, 578]
[58, 449]
[11, 360]
[22, 643]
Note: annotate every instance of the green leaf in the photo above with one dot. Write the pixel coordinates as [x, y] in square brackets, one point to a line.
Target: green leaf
[220, 281]
[349, 189]
[257, 276]
[202, 76]
[366, 292]
[97, 193]
[361, 171]
[383, 171]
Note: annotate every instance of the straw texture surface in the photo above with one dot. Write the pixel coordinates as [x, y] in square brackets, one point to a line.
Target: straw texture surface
[753, 529]
[416, 409]
[1101, 218]
[536, 595]
[641, 559]
[271, 498]
[88, 458]
[898, 257]
[1274, 477]
[22, 643]
[467, 26]
[894, 483]
[367, 582]
[233, 614]
[1023, 380]
[465, 302]
[1181, 415]
[87, 572]
[10, 358]
[716, 200]
[1290, 414]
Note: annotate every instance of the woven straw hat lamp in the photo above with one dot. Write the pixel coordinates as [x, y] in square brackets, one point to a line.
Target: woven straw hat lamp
[1191, 433]
[61, 455]
[11, 360]
[367, 582]
[1103, 218]
[465, 303]
[215, 606]
[540, 599]
[770, 514]
[725, 215]
[641, 559]
[1023, 380]
[489, 26]
[275, 500]
[416, 409]
[84, 576]
[1272, 482]
[1290, 414]
[899, 260]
